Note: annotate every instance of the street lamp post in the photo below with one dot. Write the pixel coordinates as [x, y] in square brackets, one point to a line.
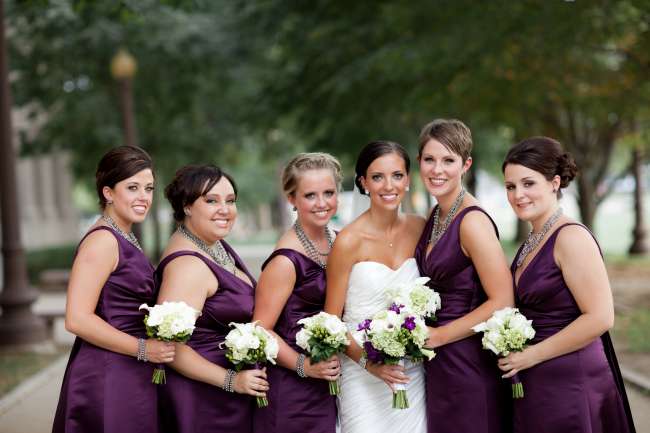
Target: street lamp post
[18, 325]
[123, 69]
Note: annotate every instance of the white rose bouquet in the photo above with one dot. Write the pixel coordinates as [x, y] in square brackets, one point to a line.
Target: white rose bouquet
[507, 331]
[393, 335]
[416, 297]
[322, 336]
[169, 321]
[251, 344]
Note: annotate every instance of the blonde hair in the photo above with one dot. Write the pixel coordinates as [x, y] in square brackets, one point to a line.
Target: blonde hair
[309, 161]
[451, 133]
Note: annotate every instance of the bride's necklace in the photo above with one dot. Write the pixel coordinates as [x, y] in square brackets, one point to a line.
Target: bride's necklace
[218, 253]
[309, 247]
[130, 237]
[533, 239]
[439, 229]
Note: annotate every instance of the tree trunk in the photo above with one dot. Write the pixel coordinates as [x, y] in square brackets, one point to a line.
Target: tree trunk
[587, 201]
[522, 231]
[471, 178]
[639, 238]
[155, 220]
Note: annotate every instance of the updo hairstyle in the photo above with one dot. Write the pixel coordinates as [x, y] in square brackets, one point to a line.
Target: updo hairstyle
[374, 150]
[118, 164]
[192, 182]
[309, 161]
[546, 156]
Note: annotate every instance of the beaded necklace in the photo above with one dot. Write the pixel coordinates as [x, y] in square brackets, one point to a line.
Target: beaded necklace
[439, 229]
[130, 237]
[310, 248]
[533, 239]
[217, 253]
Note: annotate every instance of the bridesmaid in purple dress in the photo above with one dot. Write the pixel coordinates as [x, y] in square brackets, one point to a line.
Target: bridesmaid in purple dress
[292, 287]
[201, 269]
[105, 387]
[571, 378]
[460, 251]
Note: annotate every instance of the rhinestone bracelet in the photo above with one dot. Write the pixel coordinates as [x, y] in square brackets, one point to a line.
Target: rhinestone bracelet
[300, 365]
[362, 362]
[142, 350]
[228, 382]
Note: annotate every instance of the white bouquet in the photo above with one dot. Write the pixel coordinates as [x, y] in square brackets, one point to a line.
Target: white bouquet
[507, 331]
[322, 336]
[251, 344]
[416, 297]
[393, 335]
[169, 321]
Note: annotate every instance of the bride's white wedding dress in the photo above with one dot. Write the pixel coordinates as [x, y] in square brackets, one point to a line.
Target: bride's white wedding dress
[365, 403]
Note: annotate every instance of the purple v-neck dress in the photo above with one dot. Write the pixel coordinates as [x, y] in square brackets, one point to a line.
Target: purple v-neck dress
[465, 392]
[190, 406]
[581, 391]
[104, 391]
[296, 404]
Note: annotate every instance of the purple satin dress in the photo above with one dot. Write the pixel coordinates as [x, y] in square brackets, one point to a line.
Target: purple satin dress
[296, 404]
[580, 392]
[465, 392]
[104, 391]
[190, 406]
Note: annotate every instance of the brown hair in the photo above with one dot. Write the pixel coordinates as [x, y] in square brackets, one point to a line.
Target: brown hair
[309, 161]
[451, 133]
[192, 182]
[118, 164]
[544, 155]
[374, 150]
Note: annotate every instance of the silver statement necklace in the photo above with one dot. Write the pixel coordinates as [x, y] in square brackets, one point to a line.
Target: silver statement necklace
[533, 239]
[130, 237]
[217, 253]
[439, 229]
[310, 248]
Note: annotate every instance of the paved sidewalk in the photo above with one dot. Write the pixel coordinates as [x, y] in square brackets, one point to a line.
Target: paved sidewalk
[30, 407]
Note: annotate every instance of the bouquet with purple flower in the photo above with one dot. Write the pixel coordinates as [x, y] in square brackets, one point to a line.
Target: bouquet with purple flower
[392, 335]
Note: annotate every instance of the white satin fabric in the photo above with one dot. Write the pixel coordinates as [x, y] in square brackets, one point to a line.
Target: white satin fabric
[365, 404]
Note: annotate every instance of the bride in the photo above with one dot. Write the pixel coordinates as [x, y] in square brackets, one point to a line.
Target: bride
[372, 254]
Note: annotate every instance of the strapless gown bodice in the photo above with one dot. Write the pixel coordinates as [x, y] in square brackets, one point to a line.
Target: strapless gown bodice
[365, 402]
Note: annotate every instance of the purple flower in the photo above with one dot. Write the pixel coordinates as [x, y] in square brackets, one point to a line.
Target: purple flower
[373, 354]
[396, 308]
[409, 323]
[365, 325]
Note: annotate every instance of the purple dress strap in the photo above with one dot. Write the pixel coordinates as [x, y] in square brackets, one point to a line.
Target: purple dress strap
[578, 392]
[465, 392]
[104, 391]
[190, 406]
[297, 404]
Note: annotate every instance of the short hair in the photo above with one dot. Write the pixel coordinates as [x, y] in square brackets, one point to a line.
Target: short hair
[374, 150]
[118, 164]
[451, 133]
[192, 182]
[309, 161]
[544, 155]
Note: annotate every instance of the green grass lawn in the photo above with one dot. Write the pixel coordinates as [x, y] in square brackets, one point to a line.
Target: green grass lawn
[16, 366]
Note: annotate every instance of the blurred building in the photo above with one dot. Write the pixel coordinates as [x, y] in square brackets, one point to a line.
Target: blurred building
[44, 187]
